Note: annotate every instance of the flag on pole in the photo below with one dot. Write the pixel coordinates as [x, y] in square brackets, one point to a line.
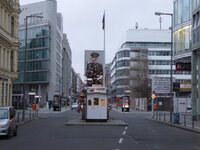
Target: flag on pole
[103, 21]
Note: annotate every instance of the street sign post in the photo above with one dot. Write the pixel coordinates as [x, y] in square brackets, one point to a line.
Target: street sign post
[153, 96]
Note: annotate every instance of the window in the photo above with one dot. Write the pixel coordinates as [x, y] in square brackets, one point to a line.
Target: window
[2, 94]
[96, 101]
[12, 26]
[12, 61]
[123, 63]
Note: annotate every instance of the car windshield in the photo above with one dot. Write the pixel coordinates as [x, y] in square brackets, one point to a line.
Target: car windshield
[3, 114]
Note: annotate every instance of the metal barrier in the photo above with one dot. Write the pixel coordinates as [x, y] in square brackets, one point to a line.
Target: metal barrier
[184, 119]
[29, 114]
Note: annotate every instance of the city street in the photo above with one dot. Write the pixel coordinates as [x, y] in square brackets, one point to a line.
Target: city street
[49, 132]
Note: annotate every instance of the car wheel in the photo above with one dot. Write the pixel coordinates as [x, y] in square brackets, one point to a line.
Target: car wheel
[15, 132]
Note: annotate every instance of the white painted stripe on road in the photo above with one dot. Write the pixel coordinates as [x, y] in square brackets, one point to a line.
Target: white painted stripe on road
[126, 128]
[120, 140]
[132, 139]
[124, 132]
[116, 149]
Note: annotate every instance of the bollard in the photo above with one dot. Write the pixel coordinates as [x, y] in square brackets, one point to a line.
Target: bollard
[156, 115]
[33, 114]
[159, 115]
[192, 123]
[164, 116]
[18, 116]
[185, 120]
[30, 115]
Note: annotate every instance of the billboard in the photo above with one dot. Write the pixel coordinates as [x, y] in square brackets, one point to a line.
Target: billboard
[94, 67]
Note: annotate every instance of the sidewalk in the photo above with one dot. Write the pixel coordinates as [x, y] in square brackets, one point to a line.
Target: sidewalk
[183, 121]
[47, 110]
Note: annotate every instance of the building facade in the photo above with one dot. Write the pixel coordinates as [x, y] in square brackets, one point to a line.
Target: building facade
[9, 15]
[195, 59]
[66, 69]
[182, 48]
[74, 95]
[150, 54]
[182, 39]
[43, 62]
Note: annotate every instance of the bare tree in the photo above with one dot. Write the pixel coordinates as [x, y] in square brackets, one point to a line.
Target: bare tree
[139, 82]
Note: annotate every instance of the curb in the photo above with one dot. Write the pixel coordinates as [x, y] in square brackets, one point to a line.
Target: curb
[175, 125]
[20, 123]
[51, 111]
[131, 111]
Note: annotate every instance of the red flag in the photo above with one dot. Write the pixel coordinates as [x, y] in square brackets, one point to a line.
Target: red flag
[103, 22]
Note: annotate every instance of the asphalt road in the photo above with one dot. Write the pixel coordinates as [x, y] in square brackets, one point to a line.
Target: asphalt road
[49, 132]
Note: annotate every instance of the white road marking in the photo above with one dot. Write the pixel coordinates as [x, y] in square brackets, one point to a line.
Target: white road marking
[124, 132]
[120, 140]
[116, 149]
[126, 128]
[132, 139]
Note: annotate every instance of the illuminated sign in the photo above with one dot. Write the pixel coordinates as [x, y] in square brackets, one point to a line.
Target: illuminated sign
[183, 66]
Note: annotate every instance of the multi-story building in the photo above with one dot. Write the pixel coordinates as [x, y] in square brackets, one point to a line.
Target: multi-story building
[195, 60]
[74, 95]
[107, 79]
[9, 15]
[182, 40]
[78, 85]
[156, 44]
[43, 50]
[66, 69]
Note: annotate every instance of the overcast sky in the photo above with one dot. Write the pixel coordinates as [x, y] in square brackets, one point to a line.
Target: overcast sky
[82, 22]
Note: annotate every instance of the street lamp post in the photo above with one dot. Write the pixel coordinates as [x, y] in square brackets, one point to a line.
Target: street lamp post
[171, 70]
[24, 85]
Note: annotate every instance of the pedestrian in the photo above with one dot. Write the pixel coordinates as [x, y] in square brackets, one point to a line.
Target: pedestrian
[155, 106]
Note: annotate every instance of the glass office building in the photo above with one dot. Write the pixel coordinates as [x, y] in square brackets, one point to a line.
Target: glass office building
[43, 74]
[37, 60]
[182, 40]
[195, 59]
[37, 55]
[182, 29]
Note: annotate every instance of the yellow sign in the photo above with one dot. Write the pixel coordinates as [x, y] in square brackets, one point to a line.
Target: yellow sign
[153, 96]
[103, 102]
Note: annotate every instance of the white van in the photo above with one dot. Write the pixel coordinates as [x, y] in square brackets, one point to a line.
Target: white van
[8, 121]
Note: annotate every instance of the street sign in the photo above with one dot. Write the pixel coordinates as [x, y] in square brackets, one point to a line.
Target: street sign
[153, 96]
[161, 85]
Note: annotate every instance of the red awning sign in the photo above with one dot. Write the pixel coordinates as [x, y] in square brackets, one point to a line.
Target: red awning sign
[183, 66]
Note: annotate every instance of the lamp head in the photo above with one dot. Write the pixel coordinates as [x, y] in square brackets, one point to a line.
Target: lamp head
[158, 13]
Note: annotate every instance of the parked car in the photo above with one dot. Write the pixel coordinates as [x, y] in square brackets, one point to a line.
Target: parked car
[74, 106]
[8, 121]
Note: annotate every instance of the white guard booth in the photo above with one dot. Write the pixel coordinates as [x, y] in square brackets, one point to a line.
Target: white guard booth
[96, 103]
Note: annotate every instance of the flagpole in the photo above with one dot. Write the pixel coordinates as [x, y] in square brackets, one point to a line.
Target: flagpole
[104, 29]
[104, 35]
